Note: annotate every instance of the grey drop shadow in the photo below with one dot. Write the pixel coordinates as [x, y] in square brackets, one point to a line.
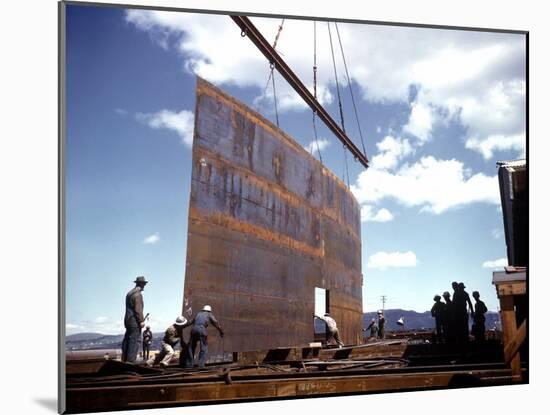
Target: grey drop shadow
[48, 403]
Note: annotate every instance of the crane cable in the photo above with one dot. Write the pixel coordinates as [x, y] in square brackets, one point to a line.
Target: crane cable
[350, 89]
[271, 77]
[315, 88]
[339, 103]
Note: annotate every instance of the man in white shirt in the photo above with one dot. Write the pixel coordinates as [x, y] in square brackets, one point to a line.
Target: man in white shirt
[332, 329]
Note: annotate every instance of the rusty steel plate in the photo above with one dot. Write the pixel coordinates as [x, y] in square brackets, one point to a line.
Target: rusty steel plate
[267, 224]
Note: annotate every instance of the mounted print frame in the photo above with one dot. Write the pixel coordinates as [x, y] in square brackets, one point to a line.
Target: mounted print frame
[265, 207]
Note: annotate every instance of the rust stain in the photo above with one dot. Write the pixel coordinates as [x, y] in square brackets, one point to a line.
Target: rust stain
[290, 198]
[204, 88]
[258, 231]
[267, 224]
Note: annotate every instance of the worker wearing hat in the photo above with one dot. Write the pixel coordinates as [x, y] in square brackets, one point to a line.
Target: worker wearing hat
[133, 321]
[478, 328]
[172, 335]
[461, 301]
[332, 329]
[146, 343]
[199, 334]
[381, 325]
[448, 322]
[373, 327]
[438, 312]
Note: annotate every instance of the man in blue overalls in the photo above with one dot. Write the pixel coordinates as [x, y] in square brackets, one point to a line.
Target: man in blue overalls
[199, 333]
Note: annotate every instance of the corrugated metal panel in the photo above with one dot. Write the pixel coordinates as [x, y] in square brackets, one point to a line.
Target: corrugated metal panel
[267, 224]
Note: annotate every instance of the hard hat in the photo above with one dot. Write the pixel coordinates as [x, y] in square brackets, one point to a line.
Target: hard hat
[207, 308]
[180, 321]
[446, 294]
[147, 327]
[437, 297]
[401, 321]
[380, 312]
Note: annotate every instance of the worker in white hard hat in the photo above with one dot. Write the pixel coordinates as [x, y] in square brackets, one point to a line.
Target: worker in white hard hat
[199, 334]
[173, 334]
[332, 329]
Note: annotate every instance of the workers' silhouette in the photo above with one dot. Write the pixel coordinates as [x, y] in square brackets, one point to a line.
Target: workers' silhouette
[438, 312]
[381, 325]
[478, 328]
[448, 319]
[373, 327]
[461, 299]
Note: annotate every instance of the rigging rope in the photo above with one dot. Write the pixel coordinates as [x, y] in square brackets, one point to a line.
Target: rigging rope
[272, 74]
[350, 88]
[271, 77]
[346, 172]
[336, 78]
[274, 96]
[315, 88]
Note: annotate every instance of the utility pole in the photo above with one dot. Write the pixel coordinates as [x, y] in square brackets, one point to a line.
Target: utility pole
[383, 298]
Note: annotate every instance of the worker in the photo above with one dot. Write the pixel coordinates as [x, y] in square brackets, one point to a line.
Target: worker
[381, 325]
[147, 340]
[461, 299]
[199, 334]
[373, 327]
[172, 335]
[448, 323]
[133, 320]
[332, 329]
[438, 312]
[478, 328]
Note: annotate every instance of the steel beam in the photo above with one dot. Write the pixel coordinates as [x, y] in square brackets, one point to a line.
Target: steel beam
[248, 29]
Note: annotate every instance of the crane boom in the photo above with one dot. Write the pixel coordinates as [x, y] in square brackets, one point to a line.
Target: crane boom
[248, 29]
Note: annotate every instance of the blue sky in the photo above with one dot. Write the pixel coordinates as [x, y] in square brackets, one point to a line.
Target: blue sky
[437, 109]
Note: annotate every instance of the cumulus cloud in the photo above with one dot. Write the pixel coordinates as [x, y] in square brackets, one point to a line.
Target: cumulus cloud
[391, 151]
[312, 146]
[476, 77]
[181, 122]
[431, 184]
[152, 239]
[421, 120]
[489, 145]
[384, 260]
[369, 214]
[497, 263]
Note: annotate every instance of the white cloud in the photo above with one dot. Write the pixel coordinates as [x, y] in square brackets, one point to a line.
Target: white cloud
[312, 146]
[121, 111]
[433, 185]
[391, 151]
[421, 121]
[181, 122]
[384, 260]
[477, 77]
[489, 145]
[368, 214]
[152, 239]
[497, 263]
[101, 319]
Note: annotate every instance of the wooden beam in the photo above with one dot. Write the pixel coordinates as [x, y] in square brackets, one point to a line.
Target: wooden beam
[511, 288]
[512, 348]
[509, 329]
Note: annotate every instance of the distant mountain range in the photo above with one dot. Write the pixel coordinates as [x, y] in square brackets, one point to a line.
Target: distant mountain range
[413, 321]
